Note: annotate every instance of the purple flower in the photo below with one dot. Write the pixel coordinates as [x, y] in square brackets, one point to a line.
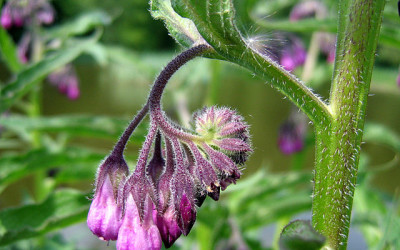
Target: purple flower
[6, 18]
[292, 134]
[398, 80]
[307, 9]
[19, 12]
[23, 48]
[66, 80]
[135, 234]
[104, 218]
[293, 55]
[327, 43]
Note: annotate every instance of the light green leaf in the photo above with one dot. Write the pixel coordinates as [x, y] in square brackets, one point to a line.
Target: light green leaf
[8, 51]
[182, 29]
[80, 25]
[30, 76]
[216, 21]
[300, 234]
[378, 133]
[98, 126]
[60, 209]
[14, 167]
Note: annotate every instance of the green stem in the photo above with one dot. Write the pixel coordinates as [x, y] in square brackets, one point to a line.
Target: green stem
[338, 145]
[40, 187]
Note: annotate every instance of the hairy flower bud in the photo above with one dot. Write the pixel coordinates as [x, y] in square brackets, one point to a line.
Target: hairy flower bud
[225, 129]
[168, 226]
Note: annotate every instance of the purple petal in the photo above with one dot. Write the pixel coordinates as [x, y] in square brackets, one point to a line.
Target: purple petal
[134, 235]
[104, 214]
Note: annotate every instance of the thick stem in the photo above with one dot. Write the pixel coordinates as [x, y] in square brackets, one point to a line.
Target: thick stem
[338, 145]
[159, 86]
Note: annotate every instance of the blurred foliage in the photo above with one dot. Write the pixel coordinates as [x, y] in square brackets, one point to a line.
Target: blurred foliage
[132, 25]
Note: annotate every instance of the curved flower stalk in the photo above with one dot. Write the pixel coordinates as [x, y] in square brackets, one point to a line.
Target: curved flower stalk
[159, 199]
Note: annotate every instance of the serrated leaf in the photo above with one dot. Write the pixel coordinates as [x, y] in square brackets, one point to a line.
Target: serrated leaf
[60, 209]
[12, 168]
[8, 51]
[80, 25]
[31, 75]
[181, 29]
[98, 126]
[300, 235]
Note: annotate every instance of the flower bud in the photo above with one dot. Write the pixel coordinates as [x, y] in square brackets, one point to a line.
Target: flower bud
[168, 227]
[157, 163]
[186, 214]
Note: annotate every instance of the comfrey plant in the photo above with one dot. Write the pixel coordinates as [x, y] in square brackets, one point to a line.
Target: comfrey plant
[158, 200]
[203, 162]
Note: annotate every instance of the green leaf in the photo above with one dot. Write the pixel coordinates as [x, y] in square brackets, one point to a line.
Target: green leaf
[265, 197]
[14, 167]
[97, 126]
[300, 235]
[60, 209]
[378, 133]
[271, 209]
[82, 24]
[216, 22]
[182, 29]
[8, 51]
[30, 76]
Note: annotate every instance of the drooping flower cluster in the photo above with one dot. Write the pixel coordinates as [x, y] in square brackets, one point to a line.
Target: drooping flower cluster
[159, 200]
[32, 14]
[20, 12]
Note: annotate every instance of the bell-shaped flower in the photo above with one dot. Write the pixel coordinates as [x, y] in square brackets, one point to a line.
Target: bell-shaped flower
[137, 235]
[104, 218]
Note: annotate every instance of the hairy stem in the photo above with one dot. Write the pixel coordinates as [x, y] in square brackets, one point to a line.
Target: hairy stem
[338, 145]
[123, 140]
[156, 92]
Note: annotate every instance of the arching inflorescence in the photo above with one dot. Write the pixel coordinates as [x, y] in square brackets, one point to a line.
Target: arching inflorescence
[157, 201]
